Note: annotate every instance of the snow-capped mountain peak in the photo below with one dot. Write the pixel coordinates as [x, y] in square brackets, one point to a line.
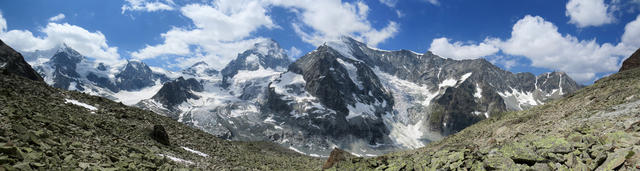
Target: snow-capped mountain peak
[269, 47]
[200, 69]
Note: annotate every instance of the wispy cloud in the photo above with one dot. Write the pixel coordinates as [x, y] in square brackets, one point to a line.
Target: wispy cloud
[57, 18]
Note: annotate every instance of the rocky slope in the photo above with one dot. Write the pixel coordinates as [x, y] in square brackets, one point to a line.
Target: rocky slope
[45, 128]
[596, 128]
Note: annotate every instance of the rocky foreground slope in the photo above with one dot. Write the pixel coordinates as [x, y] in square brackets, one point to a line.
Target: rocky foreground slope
[596, 128]
[45, 128]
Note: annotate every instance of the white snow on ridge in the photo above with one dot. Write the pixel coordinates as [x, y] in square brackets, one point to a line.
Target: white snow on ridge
[448, 83]
[75, 102]
[342, 48]
[195, 152]
[352, 70]
[465, 76]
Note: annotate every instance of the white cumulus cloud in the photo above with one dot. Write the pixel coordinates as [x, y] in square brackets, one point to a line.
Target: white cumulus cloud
[540, 42]
[328, 20]
[90, 44]
[584, 13]
[459, 50]
[57, 17]
[222, 30]
[631, 36]
[225, 27]
[294, 52]
[148, 6]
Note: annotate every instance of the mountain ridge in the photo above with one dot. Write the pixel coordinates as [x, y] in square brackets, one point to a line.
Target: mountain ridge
[595, 128]
[347, 94]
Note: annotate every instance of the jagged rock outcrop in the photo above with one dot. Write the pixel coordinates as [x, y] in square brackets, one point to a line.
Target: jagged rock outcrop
[137, 75]
[632, 62]
[12, 62]
[175, 92]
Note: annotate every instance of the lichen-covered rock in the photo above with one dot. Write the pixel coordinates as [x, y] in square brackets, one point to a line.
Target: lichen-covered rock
[553, 145]
[520, 153]
[614, 160]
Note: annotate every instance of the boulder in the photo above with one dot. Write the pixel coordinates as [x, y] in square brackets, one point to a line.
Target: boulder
[160, 135]
[336, 156]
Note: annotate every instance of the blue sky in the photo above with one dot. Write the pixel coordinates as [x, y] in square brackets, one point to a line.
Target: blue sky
[585, 38]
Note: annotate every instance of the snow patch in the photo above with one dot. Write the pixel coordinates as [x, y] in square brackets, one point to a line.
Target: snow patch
[448, 83]
[478, 92]
[195, 152]
[75, 102]
[465, 76]
[352, 70]
[133, 97]
[407, 135]
[175, 159]
[72, 86]
[523, 98]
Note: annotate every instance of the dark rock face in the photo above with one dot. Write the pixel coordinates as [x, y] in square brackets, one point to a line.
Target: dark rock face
[327, 78]
[12, 62]
[160, 135]
[632, 62]
[457, 108]
[175, 92]
[102, 82]
[137, 75]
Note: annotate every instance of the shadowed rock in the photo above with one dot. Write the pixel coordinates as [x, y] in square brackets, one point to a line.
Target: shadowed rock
[160, 135]
[632, 62]
[13, 62]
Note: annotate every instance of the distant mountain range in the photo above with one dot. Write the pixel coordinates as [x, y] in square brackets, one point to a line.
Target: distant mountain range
[343, 94]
